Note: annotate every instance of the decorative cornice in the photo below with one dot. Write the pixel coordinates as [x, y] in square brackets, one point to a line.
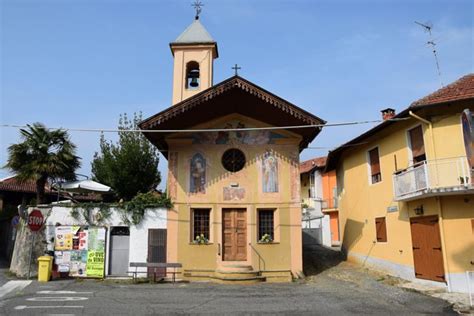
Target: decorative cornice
[219, 89]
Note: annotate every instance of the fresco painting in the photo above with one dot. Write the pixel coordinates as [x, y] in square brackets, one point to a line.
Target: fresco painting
[197, 174]
[260, 137]
[234, 194]
[269, 172]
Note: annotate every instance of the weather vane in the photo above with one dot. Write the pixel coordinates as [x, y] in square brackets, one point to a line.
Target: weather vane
[198, 7]
[236, 68]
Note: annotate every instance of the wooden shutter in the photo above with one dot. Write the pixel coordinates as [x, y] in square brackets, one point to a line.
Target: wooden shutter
[416, 141]
[374, 161]
[381, 229]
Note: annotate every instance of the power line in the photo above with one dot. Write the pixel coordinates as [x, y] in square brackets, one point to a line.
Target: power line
[104, 130]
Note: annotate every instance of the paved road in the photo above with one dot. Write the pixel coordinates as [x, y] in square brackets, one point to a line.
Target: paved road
[328, 294]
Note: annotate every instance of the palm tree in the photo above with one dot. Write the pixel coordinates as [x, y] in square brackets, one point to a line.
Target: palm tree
[43, 154]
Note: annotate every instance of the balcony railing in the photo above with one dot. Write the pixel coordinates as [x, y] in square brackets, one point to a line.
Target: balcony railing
[329, 204]
[433, 177]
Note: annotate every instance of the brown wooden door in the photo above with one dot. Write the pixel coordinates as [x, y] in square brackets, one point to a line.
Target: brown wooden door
[156, 251]
[234, 234]
[427, 252]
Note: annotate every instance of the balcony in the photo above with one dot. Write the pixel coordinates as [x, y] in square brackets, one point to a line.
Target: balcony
[329, 204]
[447, 176]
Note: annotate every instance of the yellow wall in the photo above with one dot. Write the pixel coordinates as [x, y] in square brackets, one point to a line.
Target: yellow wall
[202, 54]
[285, 253]
[361, 202]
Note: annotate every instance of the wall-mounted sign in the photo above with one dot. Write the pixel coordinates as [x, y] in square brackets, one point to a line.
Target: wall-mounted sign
[392, 209]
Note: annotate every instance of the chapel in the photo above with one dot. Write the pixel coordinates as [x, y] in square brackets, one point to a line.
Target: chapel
[233, 170]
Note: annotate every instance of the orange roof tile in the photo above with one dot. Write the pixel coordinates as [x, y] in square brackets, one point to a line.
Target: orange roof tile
[308, 165]
[460, 89]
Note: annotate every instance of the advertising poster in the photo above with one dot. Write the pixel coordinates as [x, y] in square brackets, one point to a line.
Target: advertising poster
[95, 264]
[63, 240]
[63, 260]
[78, 263]
[96, 239]
[83, 240]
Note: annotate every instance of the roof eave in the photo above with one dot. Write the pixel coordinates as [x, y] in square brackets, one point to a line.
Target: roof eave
[177, 44]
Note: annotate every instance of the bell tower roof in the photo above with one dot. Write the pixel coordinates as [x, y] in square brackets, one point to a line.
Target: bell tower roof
[195, 33]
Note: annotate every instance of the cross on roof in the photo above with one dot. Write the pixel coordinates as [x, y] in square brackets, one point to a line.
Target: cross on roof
[198, 7]
[236, 68]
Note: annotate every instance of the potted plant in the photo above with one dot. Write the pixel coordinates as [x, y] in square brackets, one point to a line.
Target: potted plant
[201, 240]
[266, 238]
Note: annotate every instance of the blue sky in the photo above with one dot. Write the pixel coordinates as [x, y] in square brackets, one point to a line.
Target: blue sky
[81, 64]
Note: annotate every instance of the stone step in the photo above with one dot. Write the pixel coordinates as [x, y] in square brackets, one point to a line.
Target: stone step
[240, 281]
[236, 274]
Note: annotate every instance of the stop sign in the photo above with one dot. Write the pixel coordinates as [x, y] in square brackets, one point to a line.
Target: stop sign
[35, 220]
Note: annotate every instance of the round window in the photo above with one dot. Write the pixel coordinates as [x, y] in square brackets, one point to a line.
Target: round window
[233, 160]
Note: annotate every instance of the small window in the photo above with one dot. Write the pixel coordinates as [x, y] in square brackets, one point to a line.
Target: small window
[233, 160]
[192, 76]
[381, 229]
[200, 223]
[417, 145]
[374, 161]
[265, 225]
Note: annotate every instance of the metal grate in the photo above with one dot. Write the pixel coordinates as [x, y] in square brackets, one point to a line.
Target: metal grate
[233, 160]
[265, 223]
[201, 223]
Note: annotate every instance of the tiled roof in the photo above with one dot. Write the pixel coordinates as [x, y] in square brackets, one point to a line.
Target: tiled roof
[12, 184]
[311, 164]
[460, 89]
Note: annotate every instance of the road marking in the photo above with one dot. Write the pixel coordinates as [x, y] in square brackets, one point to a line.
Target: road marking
[13, 286]
[56, 299]
[62, 292]
[21, 307]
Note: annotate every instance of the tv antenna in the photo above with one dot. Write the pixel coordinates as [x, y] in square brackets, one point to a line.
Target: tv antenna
[427, 26]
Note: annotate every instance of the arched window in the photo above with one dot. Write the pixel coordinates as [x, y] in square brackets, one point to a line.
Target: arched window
[192, 75]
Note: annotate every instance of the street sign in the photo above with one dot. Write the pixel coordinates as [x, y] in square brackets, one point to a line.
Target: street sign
[35, 220]
[15, 220]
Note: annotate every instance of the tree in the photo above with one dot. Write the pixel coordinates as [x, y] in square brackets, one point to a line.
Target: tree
[43, 155]
[129, 166]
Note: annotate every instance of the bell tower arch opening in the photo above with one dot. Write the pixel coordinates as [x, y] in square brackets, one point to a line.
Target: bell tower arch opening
[193, 81]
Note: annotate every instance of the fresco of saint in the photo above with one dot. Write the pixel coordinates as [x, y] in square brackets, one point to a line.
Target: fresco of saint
[197, 174]
[269, 173]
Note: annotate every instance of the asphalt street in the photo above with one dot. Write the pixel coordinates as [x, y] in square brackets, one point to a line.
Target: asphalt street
[329, 293]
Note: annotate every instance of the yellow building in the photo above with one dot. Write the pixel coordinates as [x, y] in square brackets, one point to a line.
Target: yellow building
[406, 189]
[235, 188]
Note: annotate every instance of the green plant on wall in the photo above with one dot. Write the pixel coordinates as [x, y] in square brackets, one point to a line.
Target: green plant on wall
[131, 212]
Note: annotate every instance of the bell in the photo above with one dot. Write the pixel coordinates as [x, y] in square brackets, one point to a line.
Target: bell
[194, 82]
[194, 75]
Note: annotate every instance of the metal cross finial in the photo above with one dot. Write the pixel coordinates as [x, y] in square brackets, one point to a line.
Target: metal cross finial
[197, 6]
[236, 68]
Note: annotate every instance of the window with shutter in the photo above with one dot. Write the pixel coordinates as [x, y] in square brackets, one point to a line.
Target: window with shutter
[374, 161]
[381, 229]
[417, 144]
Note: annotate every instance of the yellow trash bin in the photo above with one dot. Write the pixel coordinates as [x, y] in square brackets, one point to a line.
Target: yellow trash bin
[45, 265]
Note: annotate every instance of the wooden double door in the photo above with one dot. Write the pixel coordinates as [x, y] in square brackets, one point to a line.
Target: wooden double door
[234, 234]
[427, 251]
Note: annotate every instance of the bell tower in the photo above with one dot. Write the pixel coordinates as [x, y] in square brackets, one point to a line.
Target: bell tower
[194, 52]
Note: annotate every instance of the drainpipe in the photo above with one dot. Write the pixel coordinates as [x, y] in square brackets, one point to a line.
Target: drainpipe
[443, 246]
[438, 199]
[430, 125]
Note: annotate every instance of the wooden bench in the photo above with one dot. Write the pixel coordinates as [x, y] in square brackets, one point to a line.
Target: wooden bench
[154, 266]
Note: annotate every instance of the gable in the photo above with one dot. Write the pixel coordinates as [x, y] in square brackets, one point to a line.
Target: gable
[233, 96]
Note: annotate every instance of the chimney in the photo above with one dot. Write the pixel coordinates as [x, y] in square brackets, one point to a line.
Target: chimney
[388, 114]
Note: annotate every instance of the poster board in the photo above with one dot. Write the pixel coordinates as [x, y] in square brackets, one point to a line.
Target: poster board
[80, 251]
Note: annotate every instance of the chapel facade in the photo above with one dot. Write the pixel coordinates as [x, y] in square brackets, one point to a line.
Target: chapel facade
[232, 176]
